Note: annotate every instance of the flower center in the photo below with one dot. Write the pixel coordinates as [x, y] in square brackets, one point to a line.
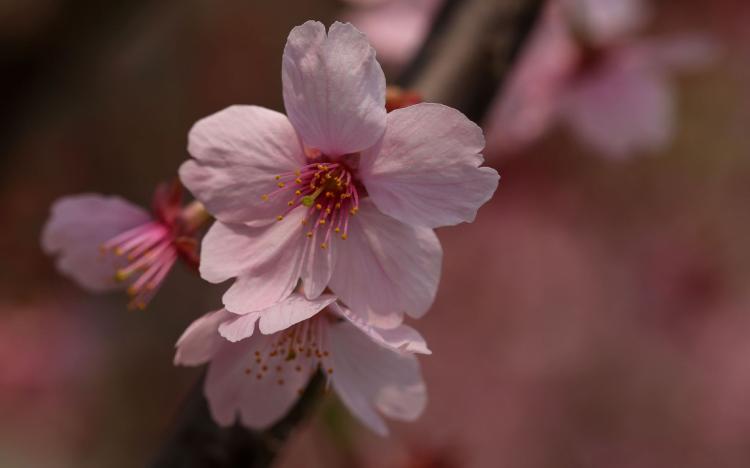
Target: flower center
[300, 348]
[327, 191]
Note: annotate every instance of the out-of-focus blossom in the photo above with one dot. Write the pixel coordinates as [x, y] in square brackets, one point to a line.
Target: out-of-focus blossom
[585, 66]
[260, 376]
[107, 243]
[340, 194]
[396, 28]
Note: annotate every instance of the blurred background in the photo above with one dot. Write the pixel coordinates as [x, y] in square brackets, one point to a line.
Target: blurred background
[596, 314]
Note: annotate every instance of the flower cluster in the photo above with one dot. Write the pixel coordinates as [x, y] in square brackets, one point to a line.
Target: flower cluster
[324, 220]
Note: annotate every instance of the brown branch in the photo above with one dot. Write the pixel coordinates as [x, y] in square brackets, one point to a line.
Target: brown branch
[467, 55]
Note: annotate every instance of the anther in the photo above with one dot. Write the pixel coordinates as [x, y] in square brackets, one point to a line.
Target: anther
[279, 218]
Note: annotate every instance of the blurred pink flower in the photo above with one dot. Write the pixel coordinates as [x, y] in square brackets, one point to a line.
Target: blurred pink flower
[586, 67]
[259, 376]
[337, 167]
[396, 28]
[84, 231]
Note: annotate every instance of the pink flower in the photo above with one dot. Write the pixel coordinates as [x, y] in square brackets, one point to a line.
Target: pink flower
[396, 28]
[585, 66]
[259, 376]
[339, 194]
[107, 243]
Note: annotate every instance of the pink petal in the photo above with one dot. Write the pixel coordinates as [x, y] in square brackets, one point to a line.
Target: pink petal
[370, 378]
[239, 327]
[231, 391]
[402, 338]
[620, 108]
[201, 340]
[318, 265]
[687, 52]
[334, 89]
[293, 309]
[426, 170]
[238, 153]
[386, 268]
[76, 229]
[528, 103]
[266, 261]
[395, 28]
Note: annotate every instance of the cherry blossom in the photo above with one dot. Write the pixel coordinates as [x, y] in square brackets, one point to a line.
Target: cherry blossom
[587, 67]
[106, 243]
[258, 377]
[339, 194]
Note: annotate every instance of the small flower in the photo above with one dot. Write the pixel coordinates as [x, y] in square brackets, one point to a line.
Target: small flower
[339, 194]
[586, 67]
[107, 243]
[260, 376]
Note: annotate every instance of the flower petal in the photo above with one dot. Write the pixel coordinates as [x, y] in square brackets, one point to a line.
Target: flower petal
[231, 390]
[334, 89]
[318, 265]
[402, 338]
[621, 108]
[293, 309]
[426, 171]
[367, 376]
[527, 105]
[201, 340]
[78, 226]
[266, 261]
[386, 268]
[239, 327]
[238, 153]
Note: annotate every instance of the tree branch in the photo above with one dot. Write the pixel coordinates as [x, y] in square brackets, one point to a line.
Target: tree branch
[466, 58]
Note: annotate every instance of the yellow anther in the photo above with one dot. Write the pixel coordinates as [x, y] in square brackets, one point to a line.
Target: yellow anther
[279, 218]
[323, 246]
[264, 197]
[298, 192]
[338, 205]
[278, 177]
[309, 234]
[298, 180]
[337, 230]
[298, 172]
[121, 275]
[281, 184]
[290, 203]
[322, 221]
[344, 237]
[319, 206]
[328, 210]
